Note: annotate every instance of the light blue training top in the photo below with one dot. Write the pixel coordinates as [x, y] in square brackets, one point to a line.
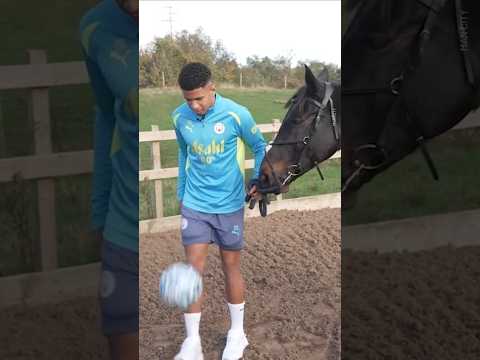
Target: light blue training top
[212, 155]
[109, 38]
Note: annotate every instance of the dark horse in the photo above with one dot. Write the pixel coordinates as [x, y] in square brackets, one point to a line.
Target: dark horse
[309, 134]
[410, 72]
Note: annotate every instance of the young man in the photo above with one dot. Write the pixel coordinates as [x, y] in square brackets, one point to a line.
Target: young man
[211, 133]
[109, 38]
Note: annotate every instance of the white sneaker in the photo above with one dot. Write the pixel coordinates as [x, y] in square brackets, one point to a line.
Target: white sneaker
[236, 344]
[191, 349]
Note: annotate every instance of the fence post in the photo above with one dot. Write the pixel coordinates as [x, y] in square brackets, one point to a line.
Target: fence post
[39, 108]
[157, 164]
[3, 138]
[276, 127]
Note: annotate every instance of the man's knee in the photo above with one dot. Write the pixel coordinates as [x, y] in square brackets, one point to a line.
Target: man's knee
[196, 256]
[197, 263]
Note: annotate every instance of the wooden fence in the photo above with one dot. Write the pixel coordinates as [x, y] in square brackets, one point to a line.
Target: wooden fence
[459, 228]
[157, 174]
[44, 165]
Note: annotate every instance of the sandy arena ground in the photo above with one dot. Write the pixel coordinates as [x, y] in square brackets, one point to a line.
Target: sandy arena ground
[291, 265]
[66, 331]
[411, 305]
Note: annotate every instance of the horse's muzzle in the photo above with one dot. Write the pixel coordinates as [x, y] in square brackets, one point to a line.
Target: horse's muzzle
[269, 185]
[275, 189]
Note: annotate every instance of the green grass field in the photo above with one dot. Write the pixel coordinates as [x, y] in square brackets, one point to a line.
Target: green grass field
[264, 104]
[407, 189]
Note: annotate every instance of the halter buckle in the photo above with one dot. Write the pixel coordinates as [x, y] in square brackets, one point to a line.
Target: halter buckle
[374, 147]
[294, 169]
[396, 84]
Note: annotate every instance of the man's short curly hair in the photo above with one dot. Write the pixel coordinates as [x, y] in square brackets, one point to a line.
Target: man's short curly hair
[193, 76]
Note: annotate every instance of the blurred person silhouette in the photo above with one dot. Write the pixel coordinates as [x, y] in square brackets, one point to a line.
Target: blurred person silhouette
[109, 39]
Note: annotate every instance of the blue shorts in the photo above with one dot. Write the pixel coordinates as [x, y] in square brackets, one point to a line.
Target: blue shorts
[119, 290]
[225, 230]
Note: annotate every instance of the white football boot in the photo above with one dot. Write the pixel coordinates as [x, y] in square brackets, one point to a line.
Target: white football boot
[191, 349]
[236, 344]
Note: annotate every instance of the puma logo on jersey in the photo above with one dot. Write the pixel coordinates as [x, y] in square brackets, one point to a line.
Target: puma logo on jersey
[120, 57]
[189, 126]
[120, 51]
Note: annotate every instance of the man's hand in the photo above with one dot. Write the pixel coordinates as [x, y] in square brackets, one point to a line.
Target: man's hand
[252, 192]
[253, 196]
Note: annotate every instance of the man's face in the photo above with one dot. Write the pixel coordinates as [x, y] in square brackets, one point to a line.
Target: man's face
[200, 99]
[130, 6]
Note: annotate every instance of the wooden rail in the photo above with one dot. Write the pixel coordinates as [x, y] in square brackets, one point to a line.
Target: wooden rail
[158, 173]
[44, 165]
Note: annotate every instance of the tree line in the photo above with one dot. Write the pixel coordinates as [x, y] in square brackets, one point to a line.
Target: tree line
[162, 59]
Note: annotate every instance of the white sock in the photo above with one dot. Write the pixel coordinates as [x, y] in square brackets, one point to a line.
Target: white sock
[236, 316]
[192, 324]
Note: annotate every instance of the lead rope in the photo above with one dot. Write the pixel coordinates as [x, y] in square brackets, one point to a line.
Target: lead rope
[422, 144]
[352, 177]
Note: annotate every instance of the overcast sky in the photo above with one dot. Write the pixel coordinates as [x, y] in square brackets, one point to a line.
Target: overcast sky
[303, 29]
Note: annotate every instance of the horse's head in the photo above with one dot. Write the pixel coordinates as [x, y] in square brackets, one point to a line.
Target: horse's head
[309, 134]
[396, 90]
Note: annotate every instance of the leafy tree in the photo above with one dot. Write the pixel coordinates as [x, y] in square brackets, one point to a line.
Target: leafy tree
[162, 59]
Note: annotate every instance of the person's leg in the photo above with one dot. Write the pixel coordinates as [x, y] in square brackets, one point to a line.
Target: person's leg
[191, 349]
[119, 301]
[229, 236]
[235, 294]
[234, 284]
[196, 255]
[196, 237]
[234, 288]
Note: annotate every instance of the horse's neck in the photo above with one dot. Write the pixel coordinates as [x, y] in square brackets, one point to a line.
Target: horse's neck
[352, 8]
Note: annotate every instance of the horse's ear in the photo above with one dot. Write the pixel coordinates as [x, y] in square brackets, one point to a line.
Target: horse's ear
[323, 76]
[314, 86]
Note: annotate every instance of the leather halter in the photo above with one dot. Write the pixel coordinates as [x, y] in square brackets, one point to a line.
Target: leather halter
[296, 169]
[394, 88]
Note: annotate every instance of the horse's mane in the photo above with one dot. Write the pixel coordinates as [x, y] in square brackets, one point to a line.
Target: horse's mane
[301, 97]
[382, 18]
